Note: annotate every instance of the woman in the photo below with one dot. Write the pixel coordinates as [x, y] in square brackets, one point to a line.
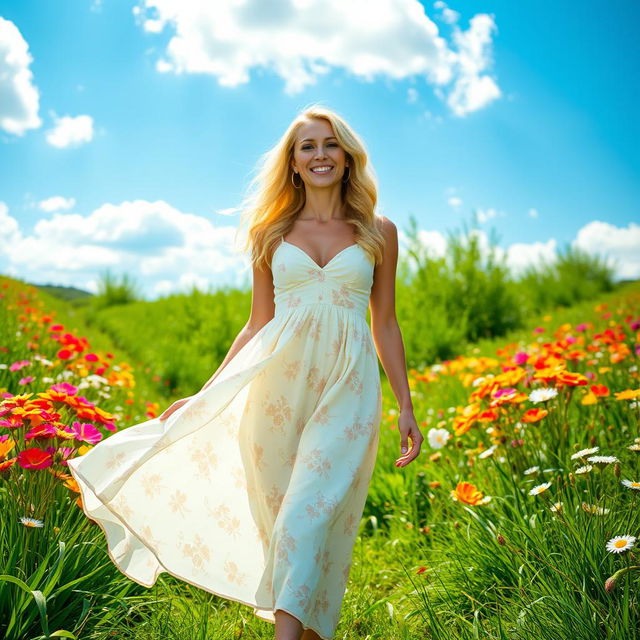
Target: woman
[253, 488]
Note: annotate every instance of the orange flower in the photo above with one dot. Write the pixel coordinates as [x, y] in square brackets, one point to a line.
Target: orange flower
[534, 415]
[571, 378]
[5, 447]
[627, 394]
[6, 464]
[599, 390]
[72, 484]
[469, 494]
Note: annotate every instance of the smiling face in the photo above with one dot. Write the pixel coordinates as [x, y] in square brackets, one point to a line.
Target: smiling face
[317, 155]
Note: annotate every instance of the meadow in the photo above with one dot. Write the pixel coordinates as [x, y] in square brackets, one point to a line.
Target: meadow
[518, 520]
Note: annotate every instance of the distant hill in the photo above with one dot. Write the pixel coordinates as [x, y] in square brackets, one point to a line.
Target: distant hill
[63, 293]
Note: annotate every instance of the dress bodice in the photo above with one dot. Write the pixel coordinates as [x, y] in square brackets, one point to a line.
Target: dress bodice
[345, 281]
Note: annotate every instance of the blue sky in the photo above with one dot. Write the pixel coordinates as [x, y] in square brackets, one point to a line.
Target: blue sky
[119, 152]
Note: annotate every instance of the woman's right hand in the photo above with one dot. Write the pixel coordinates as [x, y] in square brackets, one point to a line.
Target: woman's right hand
[174, 407]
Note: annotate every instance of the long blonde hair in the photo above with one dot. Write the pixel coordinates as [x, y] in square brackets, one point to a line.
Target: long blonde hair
[272, 203]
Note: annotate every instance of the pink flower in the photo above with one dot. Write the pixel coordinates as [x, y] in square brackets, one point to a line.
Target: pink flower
[521, 357]
[581, 327]
[502, 392]
[43, 430]
[26, 380]
[16, 366]
[86, 432]
[64, 387]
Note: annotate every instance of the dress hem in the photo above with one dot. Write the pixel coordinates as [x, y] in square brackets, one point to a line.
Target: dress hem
[126, 525]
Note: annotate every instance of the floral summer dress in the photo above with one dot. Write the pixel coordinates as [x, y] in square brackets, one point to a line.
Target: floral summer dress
[253, 490]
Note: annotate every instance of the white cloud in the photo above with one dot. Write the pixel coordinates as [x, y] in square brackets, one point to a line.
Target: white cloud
[19, 97]
[484, 215]
[56, 203]
[305, 39]
[454, 202]
[620, 246]
[473, 90]
[521, 255]
[447, 15]
[9, 227]
[163, 248]
[532, 213]
[412, 95]
[70, 131]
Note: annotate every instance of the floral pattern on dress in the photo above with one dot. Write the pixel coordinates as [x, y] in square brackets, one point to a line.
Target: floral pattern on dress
[255, 488]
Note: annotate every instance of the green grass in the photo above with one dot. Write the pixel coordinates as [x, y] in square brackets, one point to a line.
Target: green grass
[508, 569]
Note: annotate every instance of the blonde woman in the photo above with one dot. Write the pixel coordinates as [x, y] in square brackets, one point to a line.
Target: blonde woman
[253, 488]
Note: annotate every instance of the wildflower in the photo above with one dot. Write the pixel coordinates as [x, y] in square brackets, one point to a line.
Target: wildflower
[469, 494]
[487, 452]
[602, 460]
[543, 395]
[438, 437]
[585, 452]
[530, 470]
[556, 507]
[541, 488]
[599, 390]
[34, 458]
[620, 544]
[631, 484]
[31, 522]
[534, 415]
[628, 394]
[86, 432]
[571, 378]
[634, 447]
[422, 570]
[595, 510]
[585, 469]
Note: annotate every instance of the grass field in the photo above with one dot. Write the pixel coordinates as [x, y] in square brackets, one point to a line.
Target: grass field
[518, 520]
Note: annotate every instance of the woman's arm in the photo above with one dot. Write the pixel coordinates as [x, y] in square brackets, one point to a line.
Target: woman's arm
[262, 310]
[388, 340]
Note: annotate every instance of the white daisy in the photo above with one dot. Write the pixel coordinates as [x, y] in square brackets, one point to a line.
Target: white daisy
[581, 470]
[487, 452]
[620, 544]
[585, 452]
[31, 522]
[539, 488]
[543, 395]
[634, 447]
[438, 437]
[530, 470]
[631, 484]
[556, 506]
[602, 460]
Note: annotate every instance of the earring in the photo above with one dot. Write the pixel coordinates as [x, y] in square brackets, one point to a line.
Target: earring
[297, 186]
[348, 171]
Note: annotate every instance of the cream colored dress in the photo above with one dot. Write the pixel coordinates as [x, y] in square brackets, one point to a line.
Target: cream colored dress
[253, 490]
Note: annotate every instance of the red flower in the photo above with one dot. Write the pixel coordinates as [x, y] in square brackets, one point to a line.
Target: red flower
[34, 458]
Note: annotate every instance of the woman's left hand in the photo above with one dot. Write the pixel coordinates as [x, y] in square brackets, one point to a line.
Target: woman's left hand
[409, 429]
